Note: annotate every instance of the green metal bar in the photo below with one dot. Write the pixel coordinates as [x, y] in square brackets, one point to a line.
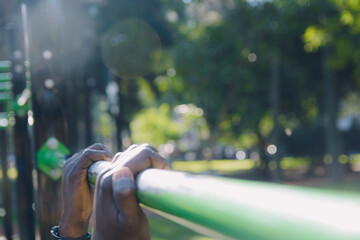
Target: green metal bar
[5, 66]
[5, 77]
[226, 208]
[5, 86]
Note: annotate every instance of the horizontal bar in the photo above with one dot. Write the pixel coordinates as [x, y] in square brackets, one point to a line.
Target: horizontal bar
[5, 77]
[5, 65]
[226, 208]
[5, 86]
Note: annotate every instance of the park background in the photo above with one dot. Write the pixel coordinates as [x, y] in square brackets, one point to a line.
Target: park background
[260, 90]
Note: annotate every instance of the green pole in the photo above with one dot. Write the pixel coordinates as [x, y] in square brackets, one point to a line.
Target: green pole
[5, 77]
[226, 208]
[5, 66]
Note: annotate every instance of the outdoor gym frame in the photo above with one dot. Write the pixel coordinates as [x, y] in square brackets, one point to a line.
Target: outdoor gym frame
[226, 208]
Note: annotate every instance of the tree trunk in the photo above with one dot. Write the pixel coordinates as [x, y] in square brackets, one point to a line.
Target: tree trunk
[330, 117]
[264, 158]
[274, 96]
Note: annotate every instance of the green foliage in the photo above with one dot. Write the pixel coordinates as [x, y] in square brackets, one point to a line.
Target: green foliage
[145, 94]
[266, 125]
[247, 140]
[128, 46]
[223, 166]
[338, 30]
[351, 105]
[155, 125]
[217, 74]
[220, 58]
[314, 37]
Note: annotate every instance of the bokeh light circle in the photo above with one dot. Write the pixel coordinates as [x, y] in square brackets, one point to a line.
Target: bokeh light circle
[128, 48]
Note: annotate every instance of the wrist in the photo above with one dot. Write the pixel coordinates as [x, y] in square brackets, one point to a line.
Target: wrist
[55, 235]
[70, 228]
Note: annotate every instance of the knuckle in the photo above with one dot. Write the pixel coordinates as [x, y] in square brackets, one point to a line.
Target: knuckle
[98, 145]
[150, 147]
[86, 153]
[147, 145]
[133, 146]
[117, 156]
[89, 154]
[146, 151]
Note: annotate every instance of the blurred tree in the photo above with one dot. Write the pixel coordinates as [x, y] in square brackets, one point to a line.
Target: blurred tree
[226, 65]
[336, 34]
[155, 125]
[133, 32]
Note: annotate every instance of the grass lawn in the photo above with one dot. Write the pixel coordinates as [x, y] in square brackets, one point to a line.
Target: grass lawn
[352, 187]
[221, 166]
[233, 166]
[163, 229]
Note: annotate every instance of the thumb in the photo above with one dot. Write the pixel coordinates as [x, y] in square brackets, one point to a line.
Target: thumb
[124, 194]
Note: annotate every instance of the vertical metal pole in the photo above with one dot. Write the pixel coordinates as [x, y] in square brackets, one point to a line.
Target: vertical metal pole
[6, 194]
[47, 117]
[330, 107]
[23, 153]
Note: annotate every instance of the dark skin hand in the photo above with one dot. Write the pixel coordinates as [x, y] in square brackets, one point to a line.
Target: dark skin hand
[77, 207]
[116, 213]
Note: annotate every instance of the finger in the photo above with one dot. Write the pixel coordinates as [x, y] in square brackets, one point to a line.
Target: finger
[99, 146]
[159, 162]
[117, 156]
[138, 160]
[117, 160]
[133, 148]
[90, 156]
[124, 195]
[152, 148]
[104, 204]
[129, 149]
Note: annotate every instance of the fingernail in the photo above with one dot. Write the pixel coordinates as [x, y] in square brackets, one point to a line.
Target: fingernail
[123, 180]
[122, 173]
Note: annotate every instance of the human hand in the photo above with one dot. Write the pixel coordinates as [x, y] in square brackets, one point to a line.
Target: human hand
[77, 191]
[116, 212]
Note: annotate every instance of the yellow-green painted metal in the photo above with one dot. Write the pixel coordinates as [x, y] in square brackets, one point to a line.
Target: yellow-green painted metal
[5, 77]
[226, 208]
[5, 86]
[5, 66]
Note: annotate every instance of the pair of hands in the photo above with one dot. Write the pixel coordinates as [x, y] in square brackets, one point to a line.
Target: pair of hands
[116, 213]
